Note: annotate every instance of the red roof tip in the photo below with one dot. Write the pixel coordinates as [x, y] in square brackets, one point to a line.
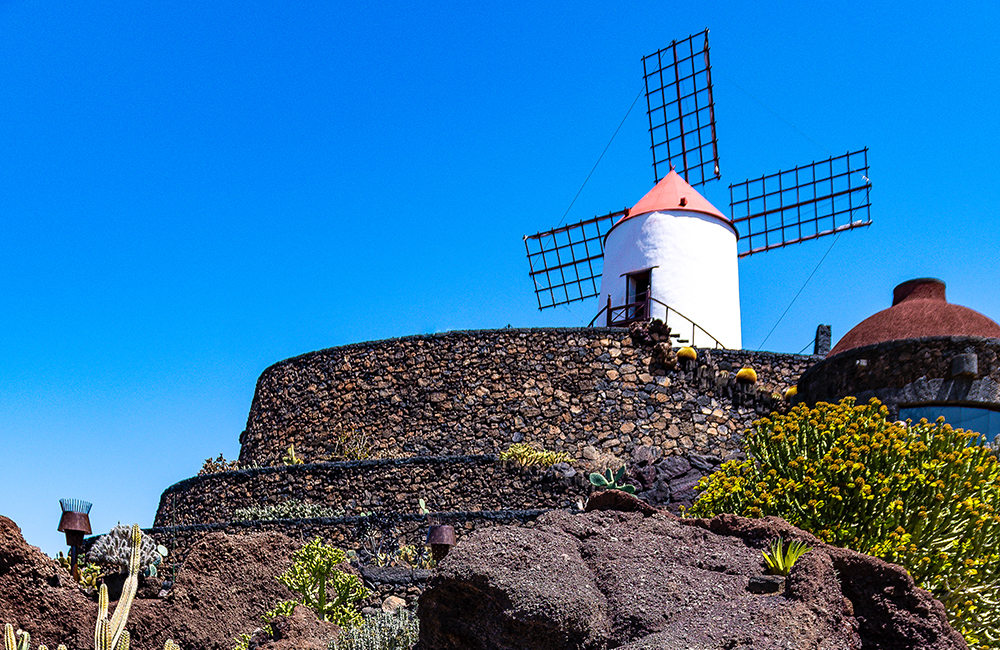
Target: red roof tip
[919, 289]
[673, 193]
[918, 309]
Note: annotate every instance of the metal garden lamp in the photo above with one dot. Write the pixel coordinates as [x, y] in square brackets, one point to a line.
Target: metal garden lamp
[75, 522]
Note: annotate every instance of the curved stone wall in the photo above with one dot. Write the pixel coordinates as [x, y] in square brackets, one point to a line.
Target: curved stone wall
[450, 484]
[476, 392]
[956, 369]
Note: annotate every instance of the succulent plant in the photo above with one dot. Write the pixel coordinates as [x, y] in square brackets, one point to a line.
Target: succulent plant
[746, 376]
[289, 509]
[330, 593]
[290, 458]
[113, 550]
[612, 480]
[924, 496]
[791, 392]
[527, 456]
[382, 631]
[779, 561]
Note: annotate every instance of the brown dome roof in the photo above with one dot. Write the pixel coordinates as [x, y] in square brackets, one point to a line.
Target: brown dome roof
[918, 309]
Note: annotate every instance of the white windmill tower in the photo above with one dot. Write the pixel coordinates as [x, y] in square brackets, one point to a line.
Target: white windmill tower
[675, 250]
[674, 255]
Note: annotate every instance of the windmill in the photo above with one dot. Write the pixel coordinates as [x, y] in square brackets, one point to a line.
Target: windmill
[673, 255]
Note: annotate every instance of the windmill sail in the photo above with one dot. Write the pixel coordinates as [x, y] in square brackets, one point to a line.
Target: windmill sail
[566, 263]
[682, 111]
[789, 207]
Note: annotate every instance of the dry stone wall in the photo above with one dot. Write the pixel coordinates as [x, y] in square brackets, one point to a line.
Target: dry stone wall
[339, 531]
[950, 369]
[459, 483]
[476, 392]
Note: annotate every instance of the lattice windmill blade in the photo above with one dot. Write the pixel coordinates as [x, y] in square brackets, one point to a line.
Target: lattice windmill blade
[566, 263]
[808, 202]
[682, 111]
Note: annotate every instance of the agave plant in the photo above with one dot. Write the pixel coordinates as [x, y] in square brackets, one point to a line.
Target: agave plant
[612, 480]
[779, 561]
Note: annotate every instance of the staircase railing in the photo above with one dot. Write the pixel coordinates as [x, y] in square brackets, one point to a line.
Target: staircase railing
[633, 312]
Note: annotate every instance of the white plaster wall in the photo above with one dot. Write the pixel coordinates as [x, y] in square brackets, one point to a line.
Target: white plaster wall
[697, 271]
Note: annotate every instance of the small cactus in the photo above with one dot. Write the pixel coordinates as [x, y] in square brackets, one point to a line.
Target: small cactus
[746, 376]
[687, 353]
[612, 480]
[791, 392]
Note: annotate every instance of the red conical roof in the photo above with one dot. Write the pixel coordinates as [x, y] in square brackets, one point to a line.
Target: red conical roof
[673, 193]
[918, 309]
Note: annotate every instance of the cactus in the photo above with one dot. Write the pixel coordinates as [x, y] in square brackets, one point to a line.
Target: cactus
[746, 376]
[687, 353]
[791, 392]
[612, 481]
[9, 639]
[113, 550]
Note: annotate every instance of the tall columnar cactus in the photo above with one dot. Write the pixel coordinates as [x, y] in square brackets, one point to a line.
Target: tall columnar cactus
[108, 634]
[111, 635]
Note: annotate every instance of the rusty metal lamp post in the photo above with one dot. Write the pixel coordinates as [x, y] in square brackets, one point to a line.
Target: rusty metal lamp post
[440, 538]
[75, 522]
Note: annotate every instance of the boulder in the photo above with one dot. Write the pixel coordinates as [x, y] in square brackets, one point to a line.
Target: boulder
[300, 631]
[630, 580]
[226, 584]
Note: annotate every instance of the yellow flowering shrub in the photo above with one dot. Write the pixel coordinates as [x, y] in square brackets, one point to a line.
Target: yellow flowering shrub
[924, 496]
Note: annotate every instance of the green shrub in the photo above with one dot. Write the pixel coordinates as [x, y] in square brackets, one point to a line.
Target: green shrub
[924, 496]
[527, 456]
[383, 631]
[290, 509]
[330, 593]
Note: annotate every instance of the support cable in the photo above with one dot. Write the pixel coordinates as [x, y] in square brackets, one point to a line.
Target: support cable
[835, 239]
[627, 113]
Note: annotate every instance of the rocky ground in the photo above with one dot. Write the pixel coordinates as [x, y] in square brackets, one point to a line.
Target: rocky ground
[629, 577]
[646, 579]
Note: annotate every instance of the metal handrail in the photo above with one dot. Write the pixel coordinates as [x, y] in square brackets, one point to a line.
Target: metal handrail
[646, 302]
[694, 325]
[591, 323]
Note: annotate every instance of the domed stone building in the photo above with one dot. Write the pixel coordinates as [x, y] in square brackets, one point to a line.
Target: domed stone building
[923, 357]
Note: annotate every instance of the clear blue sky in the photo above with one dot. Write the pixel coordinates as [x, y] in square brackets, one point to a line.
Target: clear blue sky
[191, 192]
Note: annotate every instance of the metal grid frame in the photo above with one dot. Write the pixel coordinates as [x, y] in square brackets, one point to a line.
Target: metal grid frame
[565, 263]
[804, 203]
[681, 111]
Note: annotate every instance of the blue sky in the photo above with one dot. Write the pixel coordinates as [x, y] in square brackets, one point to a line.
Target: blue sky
[191, 192]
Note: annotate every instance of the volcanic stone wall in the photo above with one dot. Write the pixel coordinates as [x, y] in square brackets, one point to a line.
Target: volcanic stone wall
[339, 531]
[461, 483]
[476, 392]
[958, 369]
